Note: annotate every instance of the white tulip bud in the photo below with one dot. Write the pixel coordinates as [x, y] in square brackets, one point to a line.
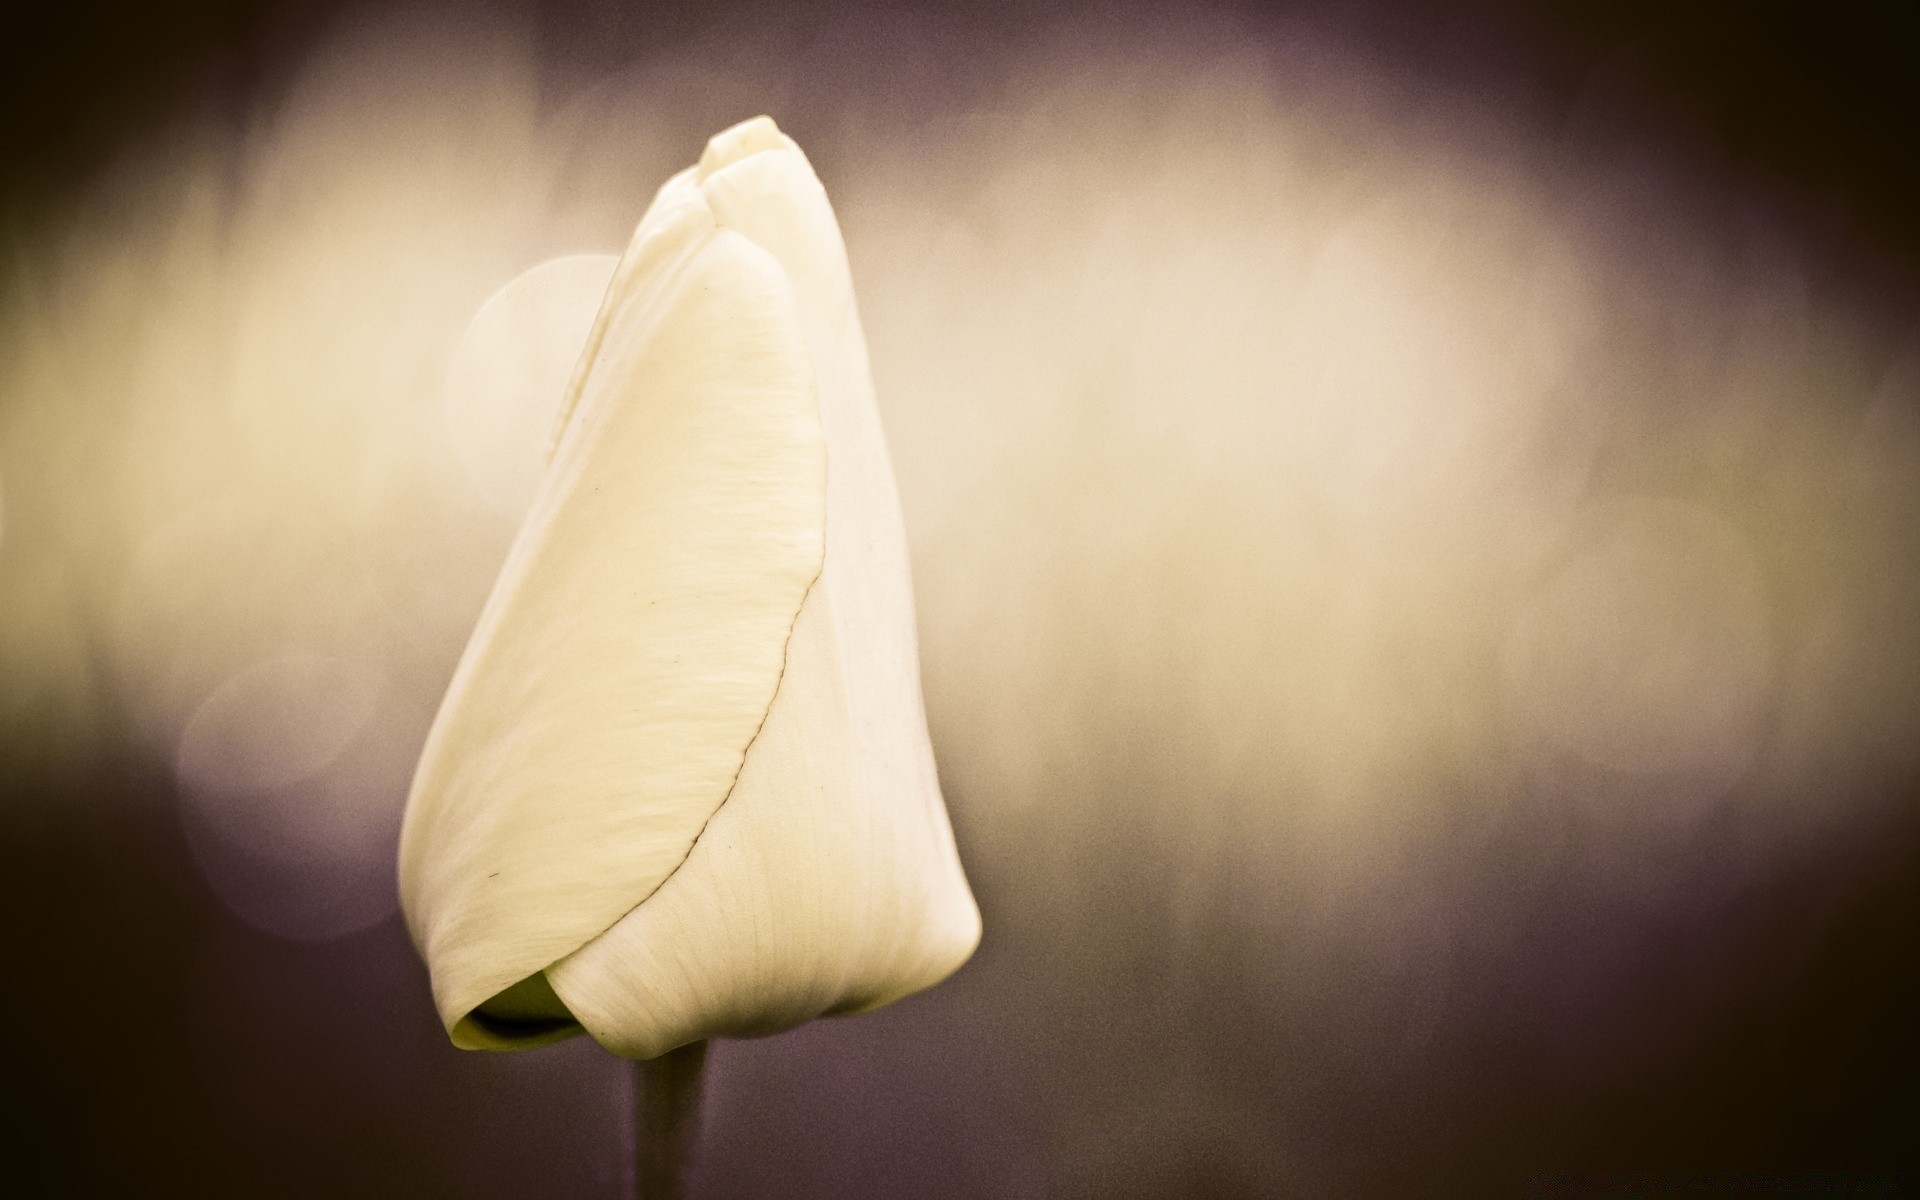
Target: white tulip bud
[681, 784]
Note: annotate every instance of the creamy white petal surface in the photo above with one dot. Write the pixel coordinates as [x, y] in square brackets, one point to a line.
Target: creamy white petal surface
[683, 768]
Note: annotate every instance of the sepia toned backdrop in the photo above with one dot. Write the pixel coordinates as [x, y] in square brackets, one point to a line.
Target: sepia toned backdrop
[1413, 513]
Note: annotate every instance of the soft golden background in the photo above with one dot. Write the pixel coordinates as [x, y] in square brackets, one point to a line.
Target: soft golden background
[1415, 562]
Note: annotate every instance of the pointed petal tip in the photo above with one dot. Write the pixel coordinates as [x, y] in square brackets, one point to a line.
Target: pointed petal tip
[742, 141]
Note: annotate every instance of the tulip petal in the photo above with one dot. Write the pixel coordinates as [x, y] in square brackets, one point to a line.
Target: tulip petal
[829, 881]
[635, 639]
[818, 887]
[682, 785]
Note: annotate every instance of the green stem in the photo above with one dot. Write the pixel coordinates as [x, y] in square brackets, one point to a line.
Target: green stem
[667, 1121]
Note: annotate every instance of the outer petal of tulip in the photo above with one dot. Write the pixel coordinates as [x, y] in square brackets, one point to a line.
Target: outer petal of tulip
[703, 827]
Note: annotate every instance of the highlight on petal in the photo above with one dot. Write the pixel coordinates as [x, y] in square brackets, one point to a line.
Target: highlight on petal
[681, 784]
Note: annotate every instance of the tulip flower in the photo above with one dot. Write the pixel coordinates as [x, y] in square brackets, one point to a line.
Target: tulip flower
[681, 785]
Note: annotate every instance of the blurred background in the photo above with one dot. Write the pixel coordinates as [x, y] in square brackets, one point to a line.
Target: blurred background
[1414, 514]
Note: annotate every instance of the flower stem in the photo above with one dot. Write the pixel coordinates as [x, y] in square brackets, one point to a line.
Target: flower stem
[667, 1121]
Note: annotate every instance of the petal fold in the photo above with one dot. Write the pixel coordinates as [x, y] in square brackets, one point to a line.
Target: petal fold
[635, 637]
